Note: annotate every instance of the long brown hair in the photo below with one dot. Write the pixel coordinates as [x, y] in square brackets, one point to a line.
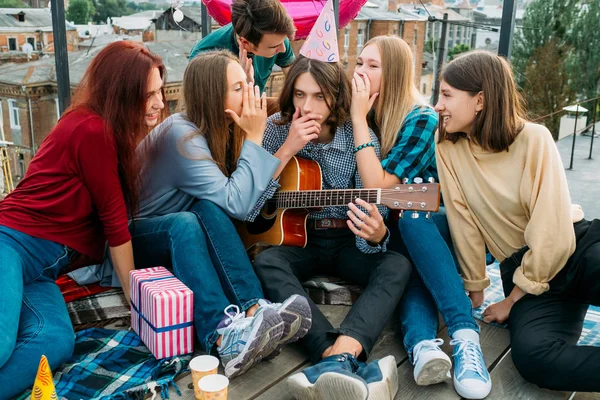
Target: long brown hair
[334, 84]
[204, 94]
[398, 93]
[115, 86]
[502, 117]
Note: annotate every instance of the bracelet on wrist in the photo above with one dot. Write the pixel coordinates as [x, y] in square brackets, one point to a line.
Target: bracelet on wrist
[363, 146]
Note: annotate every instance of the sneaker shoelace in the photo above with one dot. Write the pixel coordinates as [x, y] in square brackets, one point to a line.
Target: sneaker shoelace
[425, 346]
[233, 313]
[354, 363]
[471, 357]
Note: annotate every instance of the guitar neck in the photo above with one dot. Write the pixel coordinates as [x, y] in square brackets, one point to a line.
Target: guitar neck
[324, 198]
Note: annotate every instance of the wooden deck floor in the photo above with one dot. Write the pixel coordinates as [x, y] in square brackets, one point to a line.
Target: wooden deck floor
[266, 381]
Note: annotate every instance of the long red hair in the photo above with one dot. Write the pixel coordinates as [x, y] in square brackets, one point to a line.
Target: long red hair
[115, 86]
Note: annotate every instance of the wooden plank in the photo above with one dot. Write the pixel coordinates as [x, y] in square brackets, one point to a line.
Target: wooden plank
[268, 374]
[279, 391]
[585, 396]
[508, 384]
[494, 341]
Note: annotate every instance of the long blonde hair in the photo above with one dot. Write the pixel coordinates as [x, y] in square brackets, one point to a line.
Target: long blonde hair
[204, 93]
[398, 93]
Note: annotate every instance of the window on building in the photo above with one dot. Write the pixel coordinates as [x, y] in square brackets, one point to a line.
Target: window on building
[416, 36]
[21, 166]
[12, 44]
[31, 41]
[13, 112]
[360, 39]
[347, 38]
[172, 105]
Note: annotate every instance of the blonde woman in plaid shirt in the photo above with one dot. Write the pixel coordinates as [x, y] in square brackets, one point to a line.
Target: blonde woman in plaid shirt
[385, 99]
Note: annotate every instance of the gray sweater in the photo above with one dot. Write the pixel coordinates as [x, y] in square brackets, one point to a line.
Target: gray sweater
[181, 170]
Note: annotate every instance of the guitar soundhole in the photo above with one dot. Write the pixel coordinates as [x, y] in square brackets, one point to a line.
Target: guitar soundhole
[264, 221]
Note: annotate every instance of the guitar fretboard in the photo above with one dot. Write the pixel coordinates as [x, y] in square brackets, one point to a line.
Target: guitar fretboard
[324, 198]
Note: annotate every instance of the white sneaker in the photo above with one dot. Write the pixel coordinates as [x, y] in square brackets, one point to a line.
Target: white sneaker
[432, 365]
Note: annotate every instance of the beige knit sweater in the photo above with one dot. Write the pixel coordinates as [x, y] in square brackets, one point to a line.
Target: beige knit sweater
[508, 200]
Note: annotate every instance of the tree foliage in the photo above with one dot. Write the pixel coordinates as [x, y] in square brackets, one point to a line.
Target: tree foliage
[109, 8]
[12, 4]
[584, 61]
[79, 12]
[541, 57]
[545, 72]
[456, 50]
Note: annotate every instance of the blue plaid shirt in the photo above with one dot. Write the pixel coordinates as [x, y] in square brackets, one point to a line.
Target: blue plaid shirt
[338, 167]
[414, 152]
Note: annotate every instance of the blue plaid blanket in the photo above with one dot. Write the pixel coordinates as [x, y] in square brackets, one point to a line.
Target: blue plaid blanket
[109, 364]
[590, 335]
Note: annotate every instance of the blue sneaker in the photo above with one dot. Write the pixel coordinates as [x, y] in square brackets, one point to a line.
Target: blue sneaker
[296, 316]
[471, 377]
[333, 378]
[246, 341]
[381, 377]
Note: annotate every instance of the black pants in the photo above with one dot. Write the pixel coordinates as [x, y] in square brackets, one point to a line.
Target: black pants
[544, 329]
[383, 275]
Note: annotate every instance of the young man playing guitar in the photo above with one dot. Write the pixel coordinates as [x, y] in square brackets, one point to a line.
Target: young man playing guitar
[348, 242]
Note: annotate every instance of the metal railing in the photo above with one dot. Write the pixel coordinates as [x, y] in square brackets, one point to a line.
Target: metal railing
[591, 126]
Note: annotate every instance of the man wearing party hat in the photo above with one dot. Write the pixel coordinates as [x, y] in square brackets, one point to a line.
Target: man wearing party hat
[347, 241]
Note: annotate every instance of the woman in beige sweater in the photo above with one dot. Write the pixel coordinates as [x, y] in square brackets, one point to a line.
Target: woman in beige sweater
[505, 189]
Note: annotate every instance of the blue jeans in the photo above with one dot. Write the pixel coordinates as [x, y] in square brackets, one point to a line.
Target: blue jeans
[435, 283]
[205, 252]
[33, 315]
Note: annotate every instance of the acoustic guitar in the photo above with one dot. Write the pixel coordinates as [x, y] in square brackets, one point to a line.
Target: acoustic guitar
[282, 220]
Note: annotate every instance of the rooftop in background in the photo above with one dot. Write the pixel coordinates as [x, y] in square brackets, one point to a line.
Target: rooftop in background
[27, 20]
[434, 10]
[174, 54]
[377, 10]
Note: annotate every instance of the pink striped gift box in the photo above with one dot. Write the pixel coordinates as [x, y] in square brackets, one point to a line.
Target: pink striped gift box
[162, 312]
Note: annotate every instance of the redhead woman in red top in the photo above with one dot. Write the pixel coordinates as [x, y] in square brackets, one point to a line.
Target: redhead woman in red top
[72, 200]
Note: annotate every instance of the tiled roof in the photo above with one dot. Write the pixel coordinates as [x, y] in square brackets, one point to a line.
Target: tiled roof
[34, 18]
[42, 71]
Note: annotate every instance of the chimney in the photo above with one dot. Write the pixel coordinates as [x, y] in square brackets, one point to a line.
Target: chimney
[392, 5]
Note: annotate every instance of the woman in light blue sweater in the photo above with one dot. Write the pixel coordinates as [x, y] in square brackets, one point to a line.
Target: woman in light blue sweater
[200, 168]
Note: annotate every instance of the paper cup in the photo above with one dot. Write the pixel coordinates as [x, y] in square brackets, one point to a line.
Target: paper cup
[200, 367]
[213, 387]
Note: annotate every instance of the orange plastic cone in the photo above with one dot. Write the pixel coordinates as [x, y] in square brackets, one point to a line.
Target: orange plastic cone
[43, 388]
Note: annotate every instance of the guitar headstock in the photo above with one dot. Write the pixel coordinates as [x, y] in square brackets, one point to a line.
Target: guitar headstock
[416, 196]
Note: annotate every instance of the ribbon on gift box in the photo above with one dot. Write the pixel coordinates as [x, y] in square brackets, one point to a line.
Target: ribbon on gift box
[141, 316]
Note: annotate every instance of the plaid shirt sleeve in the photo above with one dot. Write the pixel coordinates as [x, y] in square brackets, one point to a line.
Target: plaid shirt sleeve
[272, 140]
[414, 151]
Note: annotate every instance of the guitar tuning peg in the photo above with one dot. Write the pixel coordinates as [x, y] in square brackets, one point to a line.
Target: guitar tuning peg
[431, 180]
[404, 181]
[414, 215]
[428, 215]
[418, 180]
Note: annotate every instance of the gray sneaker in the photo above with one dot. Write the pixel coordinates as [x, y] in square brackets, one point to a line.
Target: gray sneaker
[296, 316]
[247, 340]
